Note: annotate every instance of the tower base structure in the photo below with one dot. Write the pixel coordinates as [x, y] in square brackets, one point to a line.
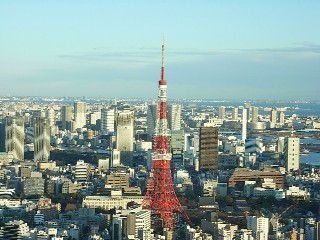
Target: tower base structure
[161, 197]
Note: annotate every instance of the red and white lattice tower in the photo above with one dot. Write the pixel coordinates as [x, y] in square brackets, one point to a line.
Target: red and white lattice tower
[160, 196]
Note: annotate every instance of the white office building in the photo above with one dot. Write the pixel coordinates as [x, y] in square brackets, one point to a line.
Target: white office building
[82, 171]
[107, 120]
[259, 226]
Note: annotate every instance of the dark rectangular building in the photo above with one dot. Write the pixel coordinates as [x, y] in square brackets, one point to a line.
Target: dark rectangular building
[208, 148]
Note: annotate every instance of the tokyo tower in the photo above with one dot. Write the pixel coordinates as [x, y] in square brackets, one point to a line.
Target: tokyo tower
[160, 197]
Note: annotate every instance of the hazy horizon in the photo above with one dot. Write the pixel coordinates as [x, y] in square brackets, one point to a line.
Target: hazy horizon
[249, 50]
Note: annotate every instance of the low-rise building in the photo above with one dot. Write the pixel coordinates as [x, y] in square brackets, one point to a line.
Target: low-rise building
[116, 200]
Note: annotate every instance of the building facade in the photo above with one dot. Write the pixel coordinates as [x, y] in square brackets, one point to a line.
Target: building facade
[14, 136]
[80, 114]
[208, 148]
[66, 117]
[107, 120]
[292, 153]
[41, 140]
[125, 134]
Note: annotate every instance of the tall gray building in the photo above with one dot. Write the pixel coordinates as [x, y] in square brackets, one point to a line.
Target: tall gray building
[177, 146]
[41, 139]
[281, 118]
[14, 136]
[151, 119]
[174, 116]
[125, 135]
[66, 117]
[255, 113]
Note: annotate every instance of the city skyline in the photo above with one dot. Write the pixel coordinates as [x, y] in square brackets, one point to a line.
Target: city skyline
[247, 50]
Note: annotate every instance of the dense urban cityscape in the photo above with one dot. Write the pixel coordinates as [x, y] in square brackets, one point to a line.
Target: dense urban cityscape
[136, 169]
[222, 144]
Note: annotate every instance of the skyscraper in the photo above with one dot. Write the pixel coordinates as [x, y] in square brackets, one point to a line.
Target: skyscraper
[14, 136]
[281, 118]
[255, 113]
[50, 116]
[292, 153]
[208, 148]
[107, 120]
[244, 124]
[247, 106]
[151, 119]
[80, 114]
[222, 112]
[234, 113]
[66, 117]
[41, 139]
[273, 118]
[125, 135]
[174, 116]
[177, 146]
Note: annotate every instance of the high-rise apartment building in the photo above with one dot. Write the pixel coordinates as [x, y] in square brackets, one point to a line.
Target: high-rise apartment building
[255, 113]
[247, 106]
[50, 116]
[14, 136]
[259, 226]
[273, 117]
[174, 116]
[244, 124]
[125, 135]
[66, 117]
[292, 153]
[80, 114]
[234, 113]
[222, 112]
[281, 118]
[107, 120]
[151, 119]
[41, 139]
[208, 149]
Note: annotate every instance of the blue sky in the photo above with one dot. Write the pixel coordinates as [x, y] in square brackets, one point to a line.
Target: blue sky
[214, 49]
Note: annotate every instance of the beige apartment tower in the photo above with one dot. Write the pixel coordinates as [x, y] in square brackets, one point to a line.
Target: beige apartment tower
[292, 153]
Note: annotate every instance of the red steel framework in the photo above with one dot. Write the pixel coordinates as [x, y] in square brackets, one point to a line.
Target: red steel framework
[160, 196]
